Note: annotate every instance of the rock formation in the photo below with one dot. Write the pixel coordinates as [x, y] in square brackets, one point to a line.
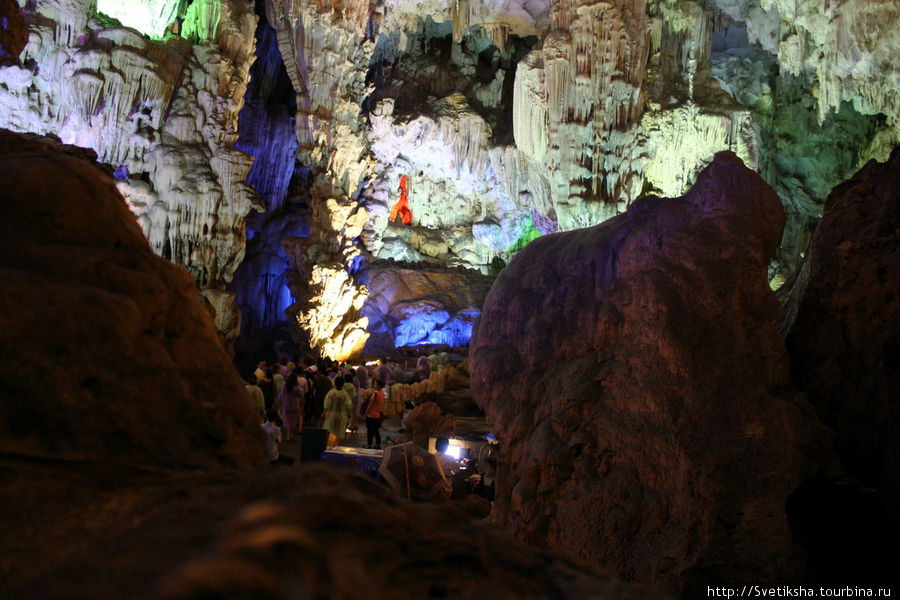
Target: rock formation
[266, 128]
[511, 120]
[305, 532]
[639, 386]
[13, 33]
[844, 327]
[420, 305]
[162, 112]
[122, 423]
[109, 355]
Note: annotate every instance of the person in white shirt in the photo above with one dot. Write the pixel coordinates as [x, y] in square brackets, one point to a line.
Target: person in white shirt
[273, 439]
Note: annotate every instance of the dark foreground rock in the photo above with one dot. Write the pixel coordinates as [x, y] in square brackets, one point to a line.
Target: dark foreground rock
[638, 383]
[308, 532]
[845, 341]
[108, 354]
[843, 335]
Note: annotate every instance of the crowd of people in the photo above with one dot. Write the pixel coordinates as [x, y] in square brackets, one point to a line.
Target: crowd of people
[292, 394]
[299, 392]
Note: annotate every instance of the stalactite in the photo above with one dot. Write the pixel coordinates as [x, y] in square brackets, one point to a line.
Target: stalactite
[848, 48]
[687, 137]
[590, 68]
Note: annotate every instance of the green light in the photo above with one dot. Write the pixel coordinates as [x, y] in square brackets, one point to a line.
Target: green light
[531, 233]
[201, 21]
[150, 17]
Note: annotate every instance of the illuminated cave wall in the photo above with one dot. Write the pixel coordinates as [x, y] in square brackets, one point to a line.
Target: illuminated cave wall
[162, 112]
[266, 133]
[510, 119]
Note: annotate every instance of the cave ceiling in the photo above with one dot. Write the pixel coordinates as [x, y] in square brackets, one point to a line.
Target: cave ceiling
[262, 147]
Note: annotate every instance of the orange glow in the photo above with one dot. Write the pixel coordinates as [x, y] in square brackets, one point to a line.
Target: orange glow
[401, 208]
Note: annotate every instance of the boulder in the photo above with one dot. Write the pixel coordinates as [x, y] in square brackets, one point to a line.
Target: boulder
[638, 384]
[304, 532]
[109, 354]
[844, 326]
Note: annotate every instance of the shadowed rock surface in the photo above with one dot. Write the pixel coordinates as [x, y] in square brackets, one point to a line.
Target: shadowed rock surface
[640, 388]
[108, 353]
[845, 340]
[307, 532]
[13, 33]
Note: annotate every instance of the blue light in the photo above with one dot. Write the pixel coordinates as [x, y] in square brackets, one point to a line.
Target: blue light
[457, 331]
[285, 299]
[435, 326]
[418, 327]
[356, 264]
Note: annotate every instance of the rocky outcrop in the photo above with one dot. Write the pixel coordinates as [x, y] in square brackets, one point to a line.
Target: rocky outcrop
[109, 355]
[843, 325]
[305, 532]
[639, 386]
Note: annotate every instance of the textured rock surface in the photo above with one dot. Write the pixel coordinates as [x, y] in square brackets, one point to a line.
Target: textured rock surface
[305, 532]
[410, 307]
[109, 355]
[845, 338]
[120, 411]
[635, 376]
[163, 113]
[838, 42]
[512, 119]
[13, 33]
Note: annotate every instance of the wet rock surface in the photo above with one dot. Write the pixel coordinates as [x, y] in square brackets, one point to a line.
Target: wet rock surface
[635, 376]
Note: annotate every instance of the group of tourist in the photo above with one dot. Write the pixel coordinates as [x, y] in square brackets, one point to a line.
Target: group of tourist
[326, 394]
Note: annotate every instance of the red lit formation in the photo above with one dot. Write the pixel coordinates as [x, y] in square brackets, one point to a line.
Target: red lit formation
[401, 208]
